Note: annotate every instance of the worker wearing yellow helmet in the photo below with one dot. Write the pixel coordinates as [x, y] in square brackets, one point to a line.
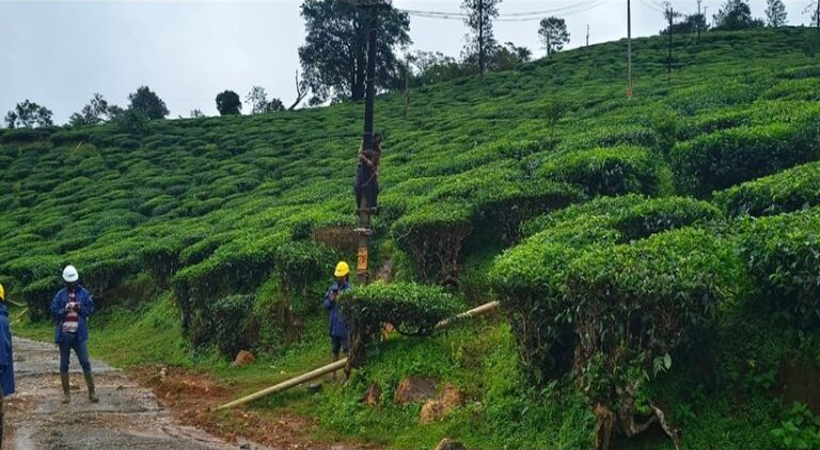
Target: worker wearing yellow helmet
[6, 357]
[338, 326]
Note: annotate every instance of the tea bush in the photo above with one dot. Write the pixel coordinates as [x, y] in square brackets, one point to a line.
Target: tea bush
[786, 191]
[782, 255]
[634, 306]
[411, 308]
[606, 171]
[725, 158]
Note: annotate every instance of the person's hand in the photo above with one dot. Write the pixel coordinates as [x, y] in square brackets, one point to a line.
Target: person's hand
[76, 307]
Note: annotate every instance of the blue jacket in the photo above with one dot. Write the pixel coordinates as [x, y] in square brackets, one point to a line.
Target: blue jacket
[6, 356]
[338, 328]
[59, 312]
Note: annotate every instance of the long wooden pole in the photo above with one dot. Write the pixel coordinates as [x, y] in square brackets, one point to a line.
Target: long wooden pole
[483, 309]
[340, 364]
[312, 375]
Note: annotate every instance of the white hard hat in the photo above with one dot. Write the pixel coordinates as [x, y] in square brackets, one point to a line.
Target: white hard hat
[70, 274]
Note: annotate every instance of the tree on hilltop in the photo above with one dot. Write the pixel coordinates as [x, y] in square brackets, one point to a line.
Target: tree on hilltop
[554, 34]
[148, 103]
[736, 15]
[334, 56]
[775, 13]
[95, 112]
[228, 103]
[257, 98]
[29, 115]
[481, 42]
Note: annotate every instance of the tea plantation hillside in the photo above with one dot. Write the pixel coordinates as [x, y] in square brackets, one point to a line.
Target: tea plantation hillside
[656, 259]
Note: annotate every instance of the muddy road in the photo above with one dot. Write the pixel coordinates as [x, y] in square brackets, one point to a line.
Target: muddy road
[127, 416]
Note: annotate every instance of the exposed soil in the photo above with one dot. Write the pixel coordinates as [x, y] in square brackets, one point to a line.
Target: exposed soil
[152, 409]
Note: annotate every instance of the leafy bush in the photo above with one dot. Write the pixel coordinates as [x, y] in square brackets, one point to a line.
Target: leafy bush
[228, 319]
[782, 255]
[634, 307]
[411, 308]
[606, 171]
[433, 236]
[786, 191]
[728, 157]
[800, 430]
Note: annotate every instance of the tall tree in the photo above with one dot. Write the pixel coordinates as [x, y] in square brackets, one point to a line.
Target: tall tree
[554, 34]
[257, 98]
[197, 113]
[148, 103]
[480, 15]
[736, 15]
[814, 9]
[775, 13]
[28, 115]
[95, 112]
[690, 24]
[334, 57]
[228, 103]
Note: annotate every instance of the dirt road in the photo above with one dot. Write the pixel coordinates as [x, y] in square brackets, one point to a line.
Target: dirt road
[127, 416]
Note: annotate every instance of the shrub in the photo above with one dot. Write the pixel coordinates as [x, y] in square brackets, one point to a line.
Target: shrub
[634, 307]
[787, 191]
[782, 255]
[38, 296]
[228, 320]
[728, 157]
[433, 236]
[606, 171]
[411, 308]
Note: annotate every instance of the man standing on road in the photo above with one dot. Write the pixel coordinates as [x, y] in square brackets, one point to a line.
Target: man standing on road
[71, 307]
[6, 358]
[338, 327]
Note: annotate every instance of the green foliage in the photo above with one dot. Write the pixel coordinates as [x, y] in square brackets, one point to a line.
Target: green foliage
[412, 309]
[782, 255]
[800, 430]
[728, 157]
[786, 191]
[606, 171]
[635, 305]
[228, 324]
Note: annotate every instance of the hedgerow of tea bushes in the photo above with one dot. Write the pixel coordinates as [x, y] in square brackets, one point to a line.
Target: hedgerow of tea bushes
[782, 255]
[606, 171]
[411, 308]
[728, 157]
[228, 323]
[432, 235]
[786, 191]
[636, 305]
[529, 278]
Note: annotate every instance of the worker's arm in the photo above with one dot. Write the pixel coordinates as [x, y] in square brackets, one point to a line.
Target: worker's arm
[330, 300]
[58, 307]
[86, 305]
[5, 344]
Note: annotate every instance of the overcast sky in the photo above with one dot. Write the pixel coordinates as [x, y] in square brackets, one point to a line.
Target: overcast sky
[59, 53]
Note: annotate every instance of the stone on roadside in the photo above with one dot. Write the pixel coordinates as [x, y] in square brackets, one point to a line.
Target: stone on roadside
[434, 410]
[243, 358]
[414, 389]
[449, 444]
[373, 395]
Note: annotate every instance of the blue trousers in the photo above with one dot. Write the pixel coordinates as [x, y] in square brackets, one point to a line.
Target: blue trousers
[69, 341]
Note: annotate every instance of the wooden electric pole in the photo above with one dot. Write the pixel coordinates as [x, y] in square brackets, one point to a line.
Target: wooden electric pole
[670, 13]
[700, 17]
[587, 35]
[366, 174]
[629, 46]
[481, 38]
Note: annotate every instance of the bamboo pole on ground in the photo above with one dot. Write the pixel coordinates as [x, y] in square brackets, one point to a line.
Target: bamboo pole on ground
[304, 378]
[340, 364]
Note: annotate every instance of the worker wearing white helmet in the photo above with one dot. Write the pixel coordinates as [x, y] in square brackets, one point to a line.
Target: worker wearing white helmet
[71, 307]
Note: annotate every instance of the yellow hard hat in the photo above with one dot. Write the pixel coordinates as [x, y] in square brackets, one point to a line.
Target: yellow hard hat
[342, 269]
[2, 293]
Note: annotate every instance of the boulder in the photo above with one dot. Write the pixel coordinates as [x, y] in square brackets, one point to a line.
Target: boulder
[243, 358]
[434, 410]
[373, 395]
[414, 389]
[449, 444]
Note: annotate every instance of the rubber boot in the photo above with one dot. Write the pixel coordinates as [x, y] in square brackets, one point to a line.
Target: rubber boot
[92, 393]
[66, 387]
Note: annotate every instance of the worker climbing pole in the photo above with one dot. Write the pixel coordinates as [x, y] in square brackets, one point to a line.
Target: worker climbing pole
[367, 170]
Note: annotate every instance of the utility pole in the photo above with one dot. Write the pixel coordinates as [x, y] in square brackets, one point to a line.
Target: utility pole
[700, 17]
[587, 35]
[629, 46]
[671, 15]
[481, 38]
[366, 209]
[549, 46]
[407, 89]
